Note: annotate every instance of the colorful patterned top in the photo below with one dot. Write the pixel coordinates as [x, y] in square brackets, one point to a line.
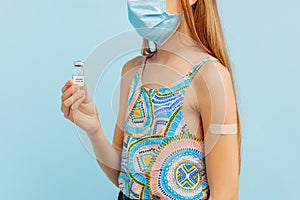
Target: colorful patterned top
[161, 158]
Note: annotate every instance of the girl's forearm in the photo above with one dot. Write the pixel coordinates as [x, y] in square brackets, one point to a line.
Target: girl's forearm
[108, 156]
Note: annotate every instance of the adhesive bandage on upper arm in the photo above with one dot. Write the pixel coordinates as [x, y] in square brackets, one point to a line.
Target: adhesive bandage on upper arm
[223, 128]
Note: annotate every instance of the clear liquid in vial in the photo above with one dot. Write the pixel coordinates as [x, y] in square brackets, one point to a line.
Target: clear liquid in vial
[78, 74]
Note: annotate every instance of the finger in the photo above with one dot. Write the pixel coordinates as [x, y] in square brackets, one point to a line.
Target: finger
[69, 101]
[87, 99]
[68, 84]
[69, 92]
[77, 103]
[85, 88]
[65, 110]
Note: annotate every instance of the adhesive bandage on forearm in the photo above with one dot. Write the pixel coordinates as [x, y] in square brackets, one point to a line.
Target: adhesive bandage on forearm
[223, 128]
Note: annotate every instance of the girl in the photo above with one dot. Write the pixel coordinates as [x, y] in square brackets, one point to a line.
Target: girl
[177, 136]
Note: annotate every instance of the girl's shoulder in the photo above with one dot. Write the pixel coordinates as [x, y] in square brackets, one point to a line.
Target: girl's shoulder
[134, 63]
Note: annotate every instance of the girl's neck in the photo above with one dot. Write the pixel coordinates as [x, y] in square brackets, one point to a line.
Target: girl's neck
[180, 44]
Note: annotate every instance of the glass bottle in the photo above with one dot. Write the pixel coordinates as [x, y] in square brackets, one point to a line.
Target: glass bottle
[78, 74]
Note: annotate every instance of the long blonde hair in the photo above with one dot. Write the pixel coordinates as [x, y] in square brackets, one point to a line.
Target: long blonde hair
[204, 22]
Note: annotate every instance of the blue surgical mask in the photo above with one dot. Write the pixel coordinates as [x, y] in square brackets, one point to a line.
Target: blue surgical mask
[151, 20]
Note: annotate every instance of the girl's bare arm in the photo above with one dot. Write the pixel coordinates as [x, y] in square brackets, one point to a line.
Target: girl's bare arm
[217, 105]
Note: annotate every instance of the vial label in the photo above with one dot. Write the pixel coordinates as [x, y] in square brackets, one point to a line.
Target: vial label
[79, 80]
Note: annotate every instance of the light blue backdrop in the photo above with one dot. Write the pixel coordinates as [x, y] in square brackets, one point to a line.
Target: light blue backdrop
[41, 156]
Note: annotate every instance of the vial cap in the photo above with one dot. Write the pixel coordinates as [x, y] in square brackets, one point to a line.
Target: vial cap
[78, 63]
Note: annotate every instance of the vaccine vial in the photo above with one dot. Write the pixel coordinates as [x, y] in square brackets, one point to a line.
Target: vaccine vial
[78, 74]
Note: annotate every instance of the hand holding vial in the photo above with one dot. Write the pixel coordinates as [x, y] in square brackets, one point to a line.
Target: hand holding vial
[77, 105]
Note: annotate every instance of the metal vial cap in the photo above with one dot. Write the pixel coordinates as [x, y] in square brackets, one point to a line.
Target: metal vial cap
[78, 63]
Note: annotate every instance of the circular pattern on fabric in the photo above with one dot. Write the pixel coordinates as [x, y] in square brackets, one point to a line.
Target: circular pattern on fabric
[187, 176]
[178, 169]
[139, 156]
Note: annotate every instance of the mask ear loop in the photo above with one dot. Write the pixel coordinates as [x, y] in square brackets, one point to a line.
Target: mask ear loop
[146, 50]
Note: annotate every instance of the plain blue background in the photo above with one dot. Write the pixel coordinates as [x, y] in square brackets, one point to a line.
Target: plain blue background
[41, 156]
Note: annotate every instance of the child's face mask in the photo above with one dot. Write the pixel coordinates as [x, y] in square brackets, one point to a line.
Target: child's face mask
[151, 20]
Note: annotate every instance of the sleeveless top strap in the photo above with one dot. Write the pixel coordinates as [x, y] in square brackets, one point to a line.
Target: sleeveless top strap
[195, 69]
[191, 74]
